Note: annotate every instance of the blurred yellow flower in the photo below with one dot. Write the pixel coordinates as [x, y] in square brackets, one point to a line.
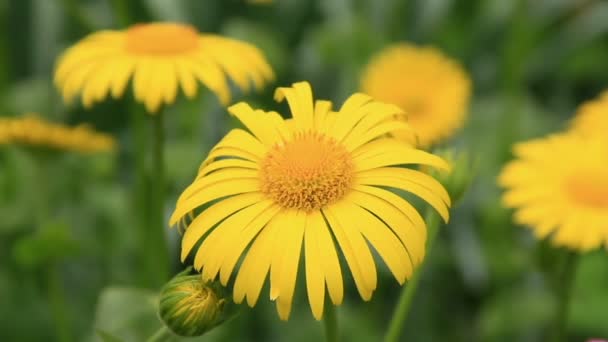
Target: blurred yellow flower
[559, 185]
[592, 117]
[307, 180]
[31, 130]
[160, 57]
[432, 89]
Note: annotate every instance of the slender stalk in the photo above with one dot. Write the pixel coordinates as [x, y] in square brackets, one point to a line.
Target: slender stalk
[121, 12]
[330, 323]
[56, 297]
[162, 334]
[55, 291]
[564, 291]
[74, 10]
[140, 198]
[409, 290]
[159, 254]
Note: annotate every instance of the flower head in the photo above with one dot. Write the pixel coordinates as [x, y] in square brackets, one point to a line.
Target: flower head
[432, 89]
[559, 185]
[31, 130]
[592, 117]
[159, 57]
[283, 187]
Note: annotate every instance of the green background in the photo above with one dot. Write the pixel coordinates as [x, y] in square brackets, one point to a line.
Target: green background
[67, 220]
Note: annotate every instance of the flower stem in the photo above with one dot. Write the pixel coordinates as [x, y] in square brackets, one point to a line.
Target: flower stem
[407, 293]
[162, 334]
[159, 253]
[564, 291]
[150, 199]
[330, 323]
[57, 304]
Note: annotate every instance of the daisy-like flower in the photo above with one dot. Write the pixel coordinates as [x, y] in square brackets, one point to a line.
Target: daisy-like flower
[432, 89]
[559, 186]
[592, 117]
[159, 57]
[31, 130]
[265, 193]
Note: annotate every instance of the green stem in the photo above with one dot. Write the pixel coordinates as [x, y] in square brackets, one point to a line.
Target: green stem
[140, 199]
[162, 334]
[159, 254]
[57, 303]
[564, 292]
[121, 12]
[74, 10]
[55, 293]
[409, 290]
[330, 323]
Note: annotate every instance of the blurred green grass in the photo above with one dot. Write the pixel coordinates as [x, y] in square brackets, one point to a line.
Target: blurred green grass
[532, 62]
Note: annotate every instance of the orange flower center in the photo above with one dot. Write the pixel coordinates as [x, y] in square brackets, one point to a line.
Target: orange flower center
[307, 172]
[161, 39]
[589, 189]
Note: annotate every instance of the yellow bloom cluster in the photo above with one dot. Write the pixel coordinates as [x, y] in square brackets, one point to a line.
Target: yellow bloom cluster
[558, 185]
[432, 89]
[592, 117]
[32, 130]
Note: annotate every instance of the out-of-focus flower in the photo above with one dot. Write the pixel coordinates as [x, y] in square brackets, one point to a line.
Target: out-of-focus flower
[32, 130]
[283, 183]
[191, 307]
[159, 57]
[592, 117]
[432, 89]
[559, 185]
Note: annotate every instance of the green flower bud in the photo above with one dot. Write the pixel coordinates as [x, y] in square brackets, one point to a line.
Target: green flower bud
[459, 179]
[190, 307]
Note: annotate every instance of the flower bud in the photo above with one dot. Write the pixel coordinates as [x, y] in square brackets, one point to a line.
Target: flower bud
[191, 307]
[459, 179]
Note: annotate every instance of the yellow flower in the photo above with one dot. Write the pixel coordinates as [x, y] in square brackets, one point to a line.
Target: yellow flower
[559, 186]
[432, 89]
[31, 130]
[307, 180]
[592, 117]
[159, 57]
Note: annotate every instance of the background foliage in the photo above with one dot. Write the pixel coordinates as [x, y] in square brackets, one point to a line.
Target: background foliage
[66, 219]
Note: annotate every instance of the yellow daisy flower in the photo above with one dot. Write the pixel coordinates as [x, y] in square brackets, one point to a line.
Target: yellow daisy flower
[559, 185]
[31, 130]
[323, 175]
[432, 89]
[159, 57]
[592, 117]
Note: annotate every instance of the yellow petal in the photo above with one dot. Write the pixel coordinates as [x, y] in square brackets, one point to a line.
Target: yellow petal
[216, 245]
[186, 78]
[399, 215]
[213, 192]
[294, 223]
[241, 239]
[258, 122]
[350, 113]
[212, 215]
[357, 254]
[399, 183]
[256, 266]
[299, 97]
[226, 163]
[200, 184]
[384, 152]
[384, 242]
